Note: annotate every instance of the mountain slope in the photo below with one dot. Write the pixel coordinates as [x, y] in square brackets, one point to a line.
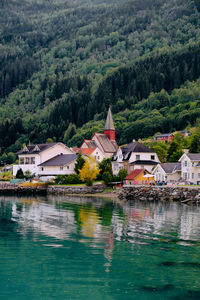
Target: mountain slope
[63, 62]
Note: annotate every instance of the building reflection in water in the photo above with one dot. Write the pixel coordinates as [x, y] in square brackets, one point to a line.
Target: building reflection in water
[102, 223]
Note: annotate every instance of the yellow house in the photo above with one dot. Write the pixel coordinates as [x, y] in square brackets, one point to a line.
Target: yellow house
[139, 176]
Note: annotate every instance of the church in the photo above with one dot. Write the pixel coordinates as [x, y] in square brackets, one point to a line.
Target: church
[101, 145]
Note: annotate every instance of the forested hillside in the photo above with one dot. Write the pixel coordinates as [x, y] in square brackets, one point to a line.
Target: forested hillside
[62, 63]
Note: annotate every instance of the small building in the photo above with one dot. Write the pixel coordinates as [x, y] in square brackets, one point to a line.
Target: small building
[190, 167]
[134, 156]
[168, 172]
[62, 164]
[32, 156]
[164, 137]
[139, 176]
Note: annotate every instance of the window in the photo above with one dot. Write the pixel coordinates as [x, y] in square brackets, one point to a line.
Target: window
[27, 160]
[192, 175]
[32, 160]
[185, 163]
[198, 175]
[137, 157]
[42, 169]
[152, 157]
[185, 176]
[67, 167]
[21, 160]
[61, 168]
[98, 157]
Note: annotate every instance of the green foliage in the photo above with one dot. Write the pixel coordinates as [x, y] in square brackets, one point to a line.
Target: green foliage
[174, 152]
[122, 174]
[107, 177]
[105, 166]
[67, 179]
[195, 144]
[80, 161]
[20, 174]
[63, 64]
[28, 175]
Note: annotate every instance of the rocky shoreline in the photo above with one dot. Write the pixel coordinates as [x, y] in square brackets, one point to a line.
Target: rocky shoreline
[188, 195]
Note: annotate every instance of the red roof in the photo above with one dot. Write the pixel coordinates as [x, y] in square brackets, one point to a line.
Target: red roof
[87, 151]
[134, 174]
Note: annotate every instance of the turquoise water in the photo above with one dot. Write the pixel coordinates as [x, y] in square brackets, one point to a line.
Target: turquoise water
[89, 248]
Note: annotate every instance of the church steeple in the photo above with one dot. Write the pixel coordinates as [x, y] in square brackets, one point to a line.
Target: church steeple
[109, 129]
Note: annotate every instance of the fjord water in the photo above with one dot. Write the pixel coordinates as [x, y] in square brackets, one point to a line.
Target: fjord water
[90, 248]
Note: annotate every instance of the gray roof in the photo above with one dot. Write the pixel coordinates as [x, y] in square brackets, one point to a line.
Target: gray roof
[41, 148]
[194, 156]
[108, 145]
[164, 135]
[91, 144]
[59, 160]
[144, 162]
[170, 168]
[109, 121]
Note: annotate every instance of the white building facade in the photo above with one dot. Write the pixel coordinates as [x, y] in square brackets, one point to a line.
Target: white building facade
[134, 156]
[190, 167]
[30, 157]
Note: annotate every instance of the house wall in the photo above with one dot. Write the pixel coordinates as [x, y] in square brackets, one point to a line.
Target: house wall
[98, 155]
[140, 179]
[57, 170]
[84, 145]
[189, 171]
[159, 173]
[143, 156]
[40, 158]
[33, 168]
[107, 155]
[116, 166]
[53, 151]
[138, 166]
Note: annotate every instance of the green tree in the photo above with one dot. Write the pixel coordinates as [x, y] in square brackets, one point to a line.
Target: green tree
[80, 161]
[107, 177]
[174, 152]
[195, 144]
[122, 174]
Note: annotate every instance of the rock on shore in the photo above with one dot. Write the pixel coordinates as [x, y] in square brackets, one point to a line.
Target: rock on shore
[181, 194]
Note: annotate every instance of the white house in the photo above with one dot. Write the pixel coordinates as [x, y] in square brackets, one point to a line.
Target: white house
[134, 156]
[61, 164]
[168, 172]
[190, 167]
[31, 157]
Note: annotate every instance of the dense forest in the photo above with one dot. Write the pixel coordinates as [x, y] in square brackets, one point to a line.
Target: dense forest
[63, 63]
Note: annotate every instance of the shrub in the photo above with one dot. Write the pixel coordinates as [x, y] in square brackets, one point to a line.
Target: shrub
[67, 179]
[20, 174]
[107, 177]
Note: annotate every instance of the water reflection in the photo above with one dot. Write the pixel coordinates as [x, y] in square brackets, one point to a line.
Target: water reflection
[110, 246]
[99, 222]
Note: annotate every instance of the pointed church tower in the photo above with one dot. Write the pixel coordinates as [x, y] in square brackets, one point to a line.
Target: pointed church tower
[109, 129]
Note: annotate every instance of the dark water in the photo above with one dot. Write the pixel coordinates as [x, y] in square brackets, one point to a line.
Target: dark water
[89, 248]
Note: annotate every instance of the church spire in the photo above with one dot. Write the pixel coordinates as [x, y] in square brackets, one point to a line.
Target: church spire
[109, 129]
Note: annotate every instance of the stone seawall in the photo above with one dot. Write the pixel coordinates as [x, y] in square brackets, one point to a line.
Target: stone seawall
[181, 194]
[75, 189]
[13, 189]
